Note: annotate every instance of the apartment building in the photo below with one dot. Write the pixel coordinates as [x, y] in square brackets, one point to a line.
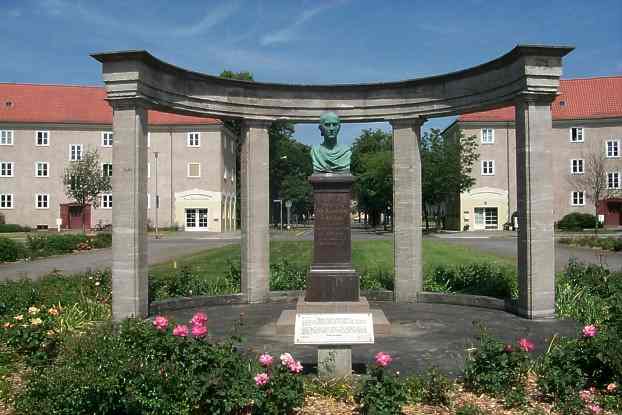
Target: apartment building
[587, 119]
[43, 128]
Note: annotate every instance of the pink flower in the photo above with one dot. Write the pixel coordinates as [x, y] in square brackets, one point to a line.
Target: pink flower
[526, 345]
[594, 408]
[199, 331]
[611, 388]
[295, 366]
[590, 331]
[160, 323]
[265, 360]
[585, 395]
[261, 379]
[287, 359]
[180, 330]
[199, 319]
[383, 359]
[508, 348]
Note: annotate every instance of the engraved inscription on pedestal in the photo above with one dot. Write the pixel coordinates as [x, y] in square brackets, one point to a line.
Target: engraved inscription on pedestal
[351, 328]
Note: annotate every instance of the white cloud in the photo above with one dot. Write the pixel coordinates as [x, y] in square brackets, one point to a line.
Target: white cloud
[213, 17]
[15, 13]
[289, 32]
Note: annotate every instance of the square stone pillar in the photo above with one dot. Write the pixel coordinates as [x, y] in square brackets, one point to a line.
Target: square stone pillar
[255, 195]
[129, 210]
[407, 209]
[534, 181]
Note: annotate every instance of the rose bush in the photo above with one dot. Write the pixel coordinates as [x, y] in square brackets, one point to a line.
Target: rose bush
[382, 391]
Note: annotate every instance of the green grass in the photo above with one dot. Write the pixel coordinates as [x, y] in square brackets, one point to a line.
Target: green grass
[366, 255]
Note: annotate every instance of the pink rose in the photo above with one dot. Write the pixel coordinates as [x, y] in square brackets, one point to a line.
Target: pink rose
[199, 319]
[265, 360]
[261, 379]
[585, 395]
[286, 359]
[594, 408]
[199, 331]
[160, 323]
[611, 388]
[590, 331]
[180, 330]
[383, 359]
[526, 345]
[295, 367]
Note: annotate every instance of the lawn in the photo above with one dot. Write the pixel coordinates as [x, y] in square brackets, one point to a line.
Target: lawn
[366, 256]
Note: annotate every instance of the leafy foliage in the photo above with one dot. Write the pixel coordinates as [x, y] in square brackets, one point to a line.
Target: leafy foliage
[484, 278]
[9, 227]
[10, 250]
[431, 388]
[576, 221]
[382, 392]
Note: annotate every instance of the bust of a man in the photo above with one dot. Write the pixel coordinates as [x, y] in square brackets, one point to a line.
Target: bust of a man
[329, 157]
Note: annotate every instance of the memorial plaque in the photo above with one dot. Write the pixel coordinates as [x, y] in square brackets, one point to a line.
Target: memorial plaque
[333, 328]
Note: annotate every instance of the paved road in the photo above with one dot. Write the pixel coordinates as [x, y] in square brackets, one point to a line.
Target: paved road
[179, 244]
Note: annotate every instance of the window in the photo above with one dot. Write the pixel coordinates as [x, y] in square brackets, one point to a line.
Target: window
[194, 169]
[148, 140]
[6, 200]
[613, 148]
[488, 167]
[6, 169]
[194, 139]
[75, 152]
[225, 175]
[43, 138]
[613, 180]
[577, 199]
[6, 138]
[488, 136]
[42, 201]
[42, 169]
[74, 183]
[576, 166]
[107, 201]
[148, 200]
[107, 169]
[107, 139]
[576, 135]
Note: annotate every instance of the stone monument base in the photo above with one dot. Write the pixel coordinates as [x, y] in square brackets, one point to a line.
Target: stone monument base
[287, 320]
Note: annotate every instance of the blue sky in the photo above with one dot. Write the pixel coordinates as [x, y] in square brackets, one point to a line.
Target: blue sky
[303, 41]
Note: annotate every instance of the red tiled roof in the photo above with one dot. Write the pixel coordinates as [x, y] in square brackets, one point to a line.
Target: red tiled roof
[70, 104]
[583, 99]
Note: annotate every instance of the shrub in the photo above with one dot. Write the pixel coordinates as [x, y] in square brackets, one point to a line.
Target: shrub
[101, 240]
[10, 227]
[10, 250]
[609, 243]
[382, 392]
[577, 222]
[432, 388]
[483, 278]
[286, 276]
[282, 389]
[42, 245]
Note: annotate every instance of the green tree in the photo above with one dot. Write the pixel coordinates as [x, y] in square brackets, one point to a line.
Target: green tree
[84, 181]
[372, 163]
[447, 164]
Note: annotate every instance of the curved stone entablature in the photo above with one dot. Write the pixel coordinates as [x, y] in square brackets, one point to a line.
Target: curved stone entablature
[525, 70]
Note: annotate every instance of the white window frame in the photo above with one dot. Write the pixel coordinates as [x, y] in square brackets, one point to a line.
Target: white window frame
[7, 137]
[45, 197]
[12, 164]
[492, 135]
[188, 170]
[490, 166]
[582, 140]
[45, 134]
[71, 153]
[10, 197]
[104, 164]
[107, 136]
[47, 169]
[580, 162]
[617, 148]
[613, 174]
[193, 135]
[580, 201]
[148, 139]
[106, 201]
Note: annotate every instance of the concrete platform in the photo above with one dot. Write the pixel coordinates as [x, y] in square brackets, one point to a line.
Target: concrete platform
[422, 335]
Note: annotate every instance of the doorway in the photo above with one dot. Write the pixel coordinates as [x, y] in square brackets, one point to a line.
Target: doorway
[486, 218]
[197, 219]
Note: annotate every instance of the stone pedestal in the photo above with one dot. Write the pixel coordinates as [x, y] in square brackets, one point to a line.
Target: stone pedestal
[332, 276]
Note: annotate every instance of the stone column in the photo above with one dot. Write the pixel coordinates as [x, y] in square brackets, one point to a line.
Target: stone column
[407, 209]
[536, 240]
[255, 197]
[129, 210]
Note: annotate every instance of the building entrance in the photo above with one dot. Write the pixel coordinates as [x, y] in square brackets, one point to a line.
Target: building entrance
[486, 218]
[196, 219]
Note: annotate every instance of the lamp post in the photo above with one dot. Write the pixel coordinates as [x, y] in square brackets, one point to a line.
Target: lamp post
[157, 198]
[288, 205]
[280, 202]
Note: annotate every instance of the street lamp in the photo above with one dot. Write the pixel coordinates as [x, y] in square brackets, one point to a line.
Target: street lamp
[157, 197]
[288, 205]
[280, 202]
